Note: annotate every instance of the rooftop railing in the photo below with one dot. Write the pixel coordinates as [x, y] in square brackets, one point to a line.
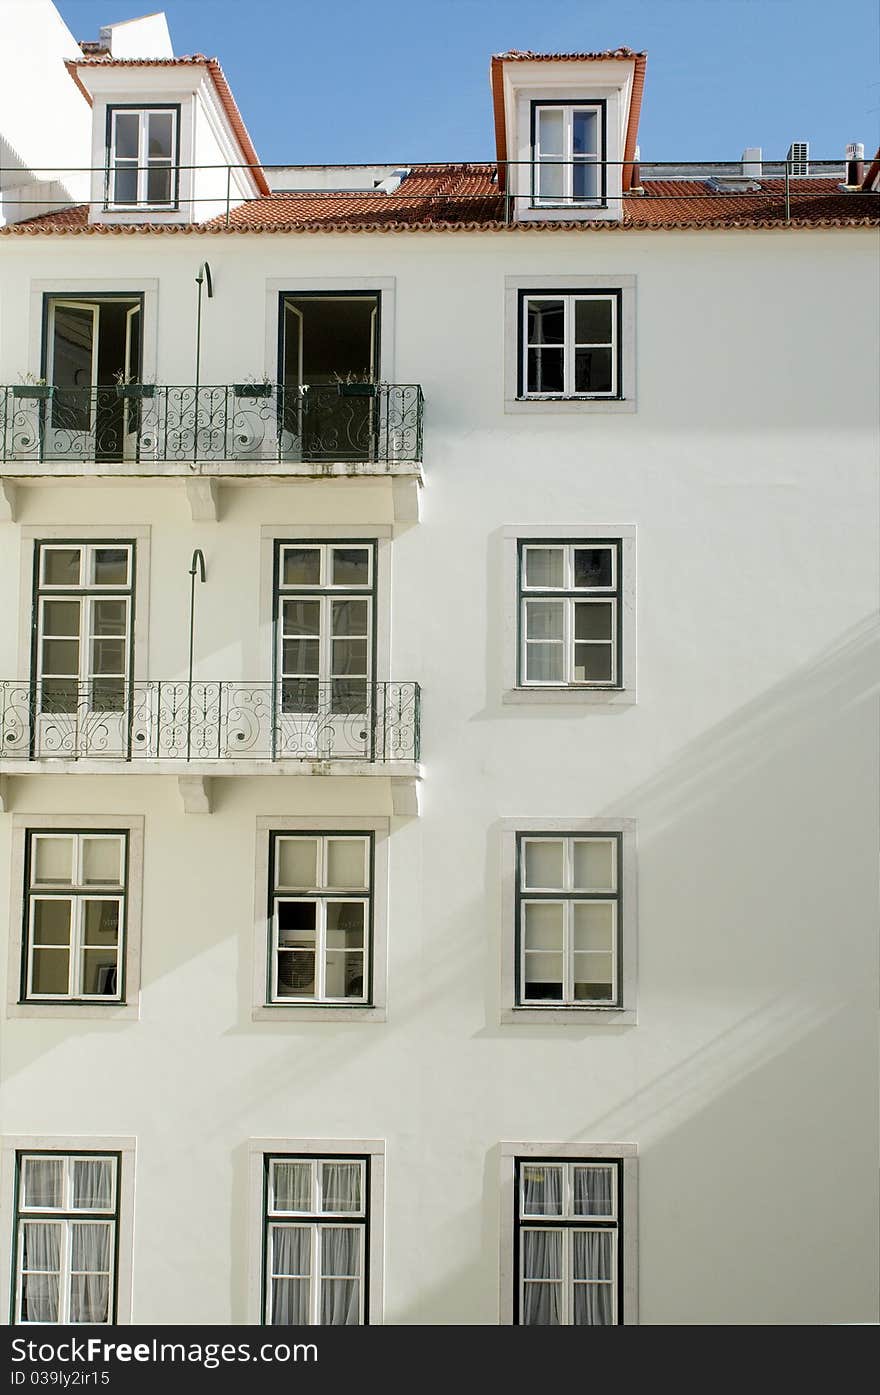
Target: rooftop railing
[301, 719]
[149, 424]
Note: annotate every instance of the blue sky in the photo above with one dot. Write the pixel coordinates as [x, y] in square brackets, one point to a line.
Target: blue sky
[406, 80]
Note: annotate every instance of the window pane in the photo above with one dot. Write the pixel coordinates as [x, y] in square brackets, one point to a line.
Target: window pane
[594, 1191]
[544, 566]
[125, 184]
[292, 1188]
[593, 1254]
[90, 1298]
[592, 321]
[341, 1191]
[350, 617]
[545, 663]
[51, 972]
[290, 1302]
[543, 918]
[300, 656]
[110, 566]
[52, 860]
[126, 131]
[593, 566]
[90, 1243]
[349, 656]
[301, 619]
[542, 1254]
[108, 618]
[99, 973]
[543, 977]
[351, 566]
[296, 922]
[301, 566]
[346, 862]
[100, 922]
[585, 132]
[43, 1190]
[345, 924]
[592, 370]
[159, 184]
[593, 620]
[593, 1305]
[108, 657]
[593, 926]
[291, 1250]
[545, 371]
[546, 322]
[593, 663]
[296, 862]
[543, 863]
[595, 864]
[160, 132]
[61, 617]
[51, 923]
[551, 131]
[545, 620]
[39, 1299]
[61, 656]
[340, 1245]
[61, 565]
[541, 1190]
[101, 861]
[593, 977]
[585, 179]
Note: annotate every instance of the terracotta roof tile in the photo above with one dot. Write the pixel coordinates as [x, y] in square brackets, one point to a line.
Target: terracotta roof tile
[466, 197]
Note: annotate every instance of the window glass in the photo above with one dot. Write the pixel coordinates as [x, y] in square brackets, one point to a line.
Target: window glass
[127, 125]
[61, 566]
[301, 566]
[53, 860]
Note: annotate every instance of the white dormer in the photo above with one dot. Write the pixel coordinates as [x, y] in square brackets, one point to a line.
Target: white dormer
[168, 141]
[565, 130]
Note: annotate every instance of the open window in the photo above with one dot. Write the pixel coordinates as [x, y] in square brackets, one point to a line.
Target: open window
[329, 370]
[93, 355]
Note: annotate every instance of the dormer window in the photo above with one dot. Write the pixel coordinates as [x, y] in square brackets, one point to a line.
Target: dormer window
[142, 149]
[568, 152]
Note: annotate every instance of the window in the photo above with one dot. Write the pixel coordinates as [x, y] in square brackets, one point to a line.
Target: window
[83, 610]
[570, 345]
[321, 918]
[66, 1224]
[568, 1242]
[74, 916]
[143, 157]
[568, 143]
[315, 1240]
[569, 612]
[568, 895]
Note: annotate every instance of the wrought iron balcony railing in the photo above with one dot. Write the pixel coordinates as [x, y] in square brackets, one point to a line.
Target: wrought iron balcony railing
[302, 719]
[152, 425]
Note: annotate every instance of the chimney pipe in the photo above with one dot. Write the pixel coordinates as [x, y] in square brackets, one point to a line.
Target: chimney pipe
[635, 179]
[752, 162]
[855, 165]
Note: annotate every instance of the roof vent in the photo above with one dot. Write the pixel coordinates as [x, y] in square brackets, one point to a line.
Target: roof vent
[799, 157]
[392, 183]
[855, 166]
[752, 162]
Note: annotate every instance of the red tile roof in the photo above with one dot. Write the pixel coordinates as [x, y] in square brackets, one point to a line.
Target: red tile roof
[221, 87]
[524, 56]
[466, 198]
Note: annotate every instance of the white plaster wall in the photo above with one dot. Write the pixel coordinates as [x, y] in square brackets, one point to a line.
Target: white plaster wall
[749, 761]
[44, 119]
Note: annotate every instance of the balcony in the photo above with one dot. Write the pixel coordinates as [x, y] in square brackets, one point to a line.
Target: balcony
[239, 430]
[206, 728]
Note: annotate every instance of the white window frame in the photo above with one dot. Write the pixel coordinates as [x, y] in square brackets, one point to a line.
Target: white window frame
[514, 690]
[316, 1220]
[567, 159]
[323, 896]
[12, 1146]
[263, 1007]
[68, 1217]
[623, 1013]
[76, 896]
[335, 1149]
[570, 345]
[82, 1008]
[569, 596]
[87, 593]
[515, 362]
[565, 896]
[627, 1213]
[144, 162]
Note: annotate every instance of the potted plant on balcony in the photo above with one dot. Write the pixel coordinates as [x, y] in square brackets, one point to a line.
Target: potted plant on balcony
[263, 388]
[33, 387]
[356, 384]
[129, 386]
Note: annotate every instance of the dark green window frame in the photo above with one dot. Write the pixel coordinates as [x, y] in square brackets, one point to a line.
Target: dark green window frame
[273, 895]
[520, 895]
[20, 1215]
[30, 892]
[567, 1223]
[364, 1221]
[614, 594]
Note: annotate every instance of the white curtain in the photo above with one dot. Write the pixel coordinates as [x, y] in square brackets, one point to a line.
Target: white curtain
[593, 1259]
[292, 1186]
[340, 1275]
[593, 1191]
[43, 1183]
[544, 633]
[341, 1182]
[542, 1273]
[93, 1184]
[542, 1191]
[40, 1251]
[291, 1255]
[90, 1260]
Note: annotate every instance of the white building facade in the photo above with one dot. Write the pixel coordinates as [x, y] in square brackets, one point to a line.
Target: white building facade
[470, 917]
